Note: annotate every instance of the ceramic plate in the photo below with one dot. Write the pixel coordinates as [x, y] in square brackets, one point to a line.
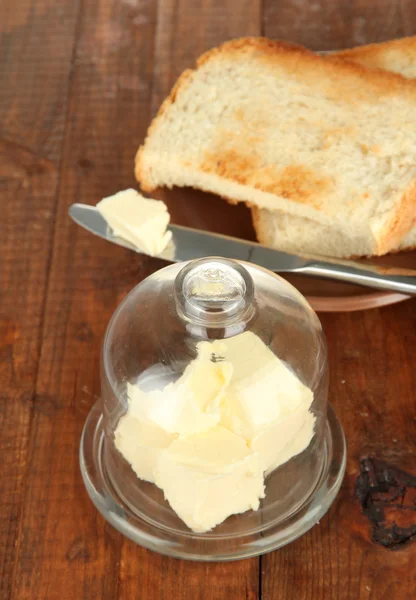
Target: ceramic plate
[206, 211]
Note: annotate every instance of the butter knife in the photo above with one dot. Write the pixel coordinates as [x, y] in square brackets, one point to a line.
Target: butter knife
[188, 244]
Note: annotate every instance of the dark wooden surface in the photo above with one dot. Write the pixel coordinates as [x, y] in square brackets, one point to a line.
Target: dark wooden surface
[79, 84]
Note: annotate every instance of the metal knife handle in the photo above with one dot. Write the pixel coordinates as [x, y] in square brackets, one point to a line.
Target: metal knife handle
[393, 279]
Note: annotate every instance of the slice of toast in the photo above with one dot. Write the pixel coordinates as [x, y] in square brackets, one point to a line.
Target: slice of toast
[278, 127]
[295, 234]
[299, 235]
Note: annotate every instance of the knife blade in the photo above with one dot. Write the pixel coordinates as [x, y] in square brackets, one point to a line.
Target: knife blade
[189, 244]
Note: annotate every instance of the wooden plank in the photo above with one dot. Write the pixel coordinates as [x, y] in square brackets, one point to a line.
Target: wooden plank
[185, 30]
[321, 25]
[65, 548]
[408, 16]
[36, 45]
[148, 576]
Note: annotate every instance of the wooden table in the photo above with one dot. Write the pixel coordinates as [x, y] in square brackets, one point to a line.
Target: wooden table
[79, 84]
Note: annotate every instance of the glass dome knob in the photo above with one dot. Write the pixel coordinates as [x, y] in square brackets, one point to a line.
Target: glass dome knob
[214, 292]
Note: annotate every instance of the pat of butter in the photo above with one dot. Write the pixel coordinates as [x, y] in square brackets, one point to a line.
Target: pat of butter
[262, 388]
[138, 220]
[210, 476]
[283, 439]
[141, 444]
[192, 403]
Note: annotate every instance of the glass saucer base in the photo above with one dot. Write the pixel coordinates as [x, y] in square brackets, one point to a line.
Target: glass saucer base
[204, 547]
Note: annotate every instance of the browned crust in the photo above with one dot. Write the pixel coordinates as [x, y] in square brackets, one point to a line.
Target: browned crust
[250, 44]
[403, 221]
[372, 54]
[255, 217]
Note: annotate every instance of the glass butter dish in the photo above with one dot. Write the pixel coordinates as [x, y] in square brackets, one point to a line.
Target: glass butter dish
[213, 438]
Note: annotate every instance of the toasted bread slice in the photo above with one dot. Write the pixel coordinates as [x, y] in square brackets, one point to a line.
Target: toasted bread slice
[299, 235]
[295, 234]
[280, 128]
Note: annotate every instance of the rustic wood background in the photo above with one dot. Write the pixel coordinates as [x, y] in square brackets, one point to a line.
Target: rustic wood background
[80, 81]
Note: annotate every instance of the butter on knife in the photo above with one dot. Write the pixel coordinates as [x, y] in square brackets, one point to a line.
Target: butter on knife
[141, 221]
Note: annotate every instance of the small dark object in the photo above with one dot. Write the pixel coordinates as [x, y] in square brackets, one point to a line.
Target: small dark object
[215, 358]
[388, 499]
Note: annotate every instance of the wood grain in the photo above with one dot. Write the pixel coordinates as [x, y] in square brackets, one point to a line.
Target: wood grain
[31, 133]
[326, 25]
[79, 86]
[65, 548]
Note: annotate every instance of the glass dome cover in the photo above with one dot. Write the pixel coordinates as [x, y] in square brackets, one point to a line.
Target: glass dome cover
[152, 342]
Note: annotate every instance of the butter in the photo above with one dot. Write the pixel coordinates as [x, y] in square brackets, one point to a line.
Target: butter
[141, 443]
[283, 439]
[138, 220]
[210, 476]
[266, 403]
[209, 439]
[192, 403]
